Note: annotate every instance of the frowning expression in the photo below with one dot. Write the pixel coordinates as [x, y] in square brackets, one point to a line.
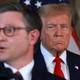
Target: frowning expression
[56, 32]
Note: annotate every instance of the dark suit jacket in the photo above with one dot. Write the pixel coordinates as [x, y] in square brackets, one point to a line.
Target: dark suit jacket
[41, 74]
[37, 74]
[73, 61]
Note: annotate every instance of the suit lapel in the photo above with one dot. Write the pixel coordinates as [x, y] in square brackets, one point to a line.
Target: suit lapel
[39, 66]
[73, 66]
[39, 60]
[1, 65]
[44, 75]
[40, 71]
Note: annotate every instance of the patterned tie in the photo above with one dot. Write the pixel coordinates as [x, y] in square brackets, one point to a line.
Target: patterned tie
[57, 69]
[18, 76]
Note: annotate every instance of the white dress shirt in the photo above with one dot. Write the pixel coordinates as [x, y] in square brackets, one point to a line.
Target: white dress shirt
[25, 71]
[48, 57]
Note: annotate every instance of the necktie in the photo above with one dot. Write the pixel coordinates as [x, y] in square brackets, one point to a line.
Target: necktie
[7, 74]
[57, 69]
[18, 76]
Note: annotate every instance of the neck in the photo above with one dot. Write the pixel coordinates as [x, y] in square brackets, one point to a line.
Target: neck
[20, 62]
[57, 53]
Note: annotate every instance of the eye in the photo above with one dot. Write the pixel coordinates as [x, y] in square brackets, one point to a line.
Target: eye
[64, 26]
[9, 30]
[51, 26]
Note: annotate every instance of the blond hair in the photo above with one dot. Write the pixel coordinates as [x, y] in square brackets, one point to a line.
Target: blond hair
[54, 10]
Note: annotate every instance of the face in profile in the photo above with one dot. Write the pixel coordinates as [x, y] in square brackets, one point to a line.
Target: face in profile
[56, 32]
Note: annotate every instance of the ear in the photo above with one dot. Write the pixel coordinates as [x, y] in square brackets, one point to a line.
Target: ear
[34, 35]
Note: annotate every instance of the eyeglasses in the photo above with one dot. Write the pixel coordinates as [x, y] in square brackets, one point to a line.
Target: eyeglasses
[10, 30]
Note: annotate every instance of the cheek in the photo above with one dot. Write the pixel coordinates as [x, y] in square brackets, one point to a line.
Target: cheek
[67, 38]
[46, 39]
[45, 36]
[19, 44]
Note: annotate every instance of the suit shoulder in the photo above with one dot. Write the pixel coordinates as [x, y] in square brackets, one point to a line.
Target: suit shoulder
[73, 56]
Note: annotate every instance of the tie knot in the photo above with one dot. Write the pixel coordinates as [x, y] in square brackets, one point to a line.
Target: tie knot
[57, 60]
[18, 76]
[18, 73]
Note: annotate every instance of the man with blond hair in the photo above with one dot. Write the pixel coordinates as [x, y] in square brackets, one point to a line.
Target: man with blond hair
[55, 36]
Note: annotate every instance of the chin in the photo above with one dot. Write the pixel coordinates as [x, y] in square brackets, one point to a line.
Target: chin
[60, 49]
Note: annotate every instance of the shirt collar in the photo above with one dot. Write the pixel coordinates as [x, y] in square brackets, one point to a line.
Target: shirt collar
[63, 57]
[48, 57]
[25, 71]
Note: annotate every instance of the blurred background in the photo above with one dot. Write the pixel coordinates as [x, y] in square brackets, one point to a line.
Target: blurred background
[75, 4]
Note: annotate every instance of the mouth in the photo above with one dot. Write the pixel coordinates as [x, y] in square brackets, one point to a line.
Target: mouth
[58, 42]
[2, 48]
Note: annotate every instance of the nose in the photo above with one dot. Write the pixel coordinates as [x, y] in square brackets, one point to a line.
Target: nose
[2, 36]
[58, 31]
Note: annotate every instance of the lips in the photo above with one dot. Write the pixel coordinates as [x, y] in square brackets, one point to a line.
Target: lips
[2, 47]
[59, 41]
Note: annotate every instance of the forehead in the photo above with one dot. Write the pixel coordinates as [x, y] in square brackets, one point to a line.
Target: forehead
[9, 14]
[56, 18]
[11, 17]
